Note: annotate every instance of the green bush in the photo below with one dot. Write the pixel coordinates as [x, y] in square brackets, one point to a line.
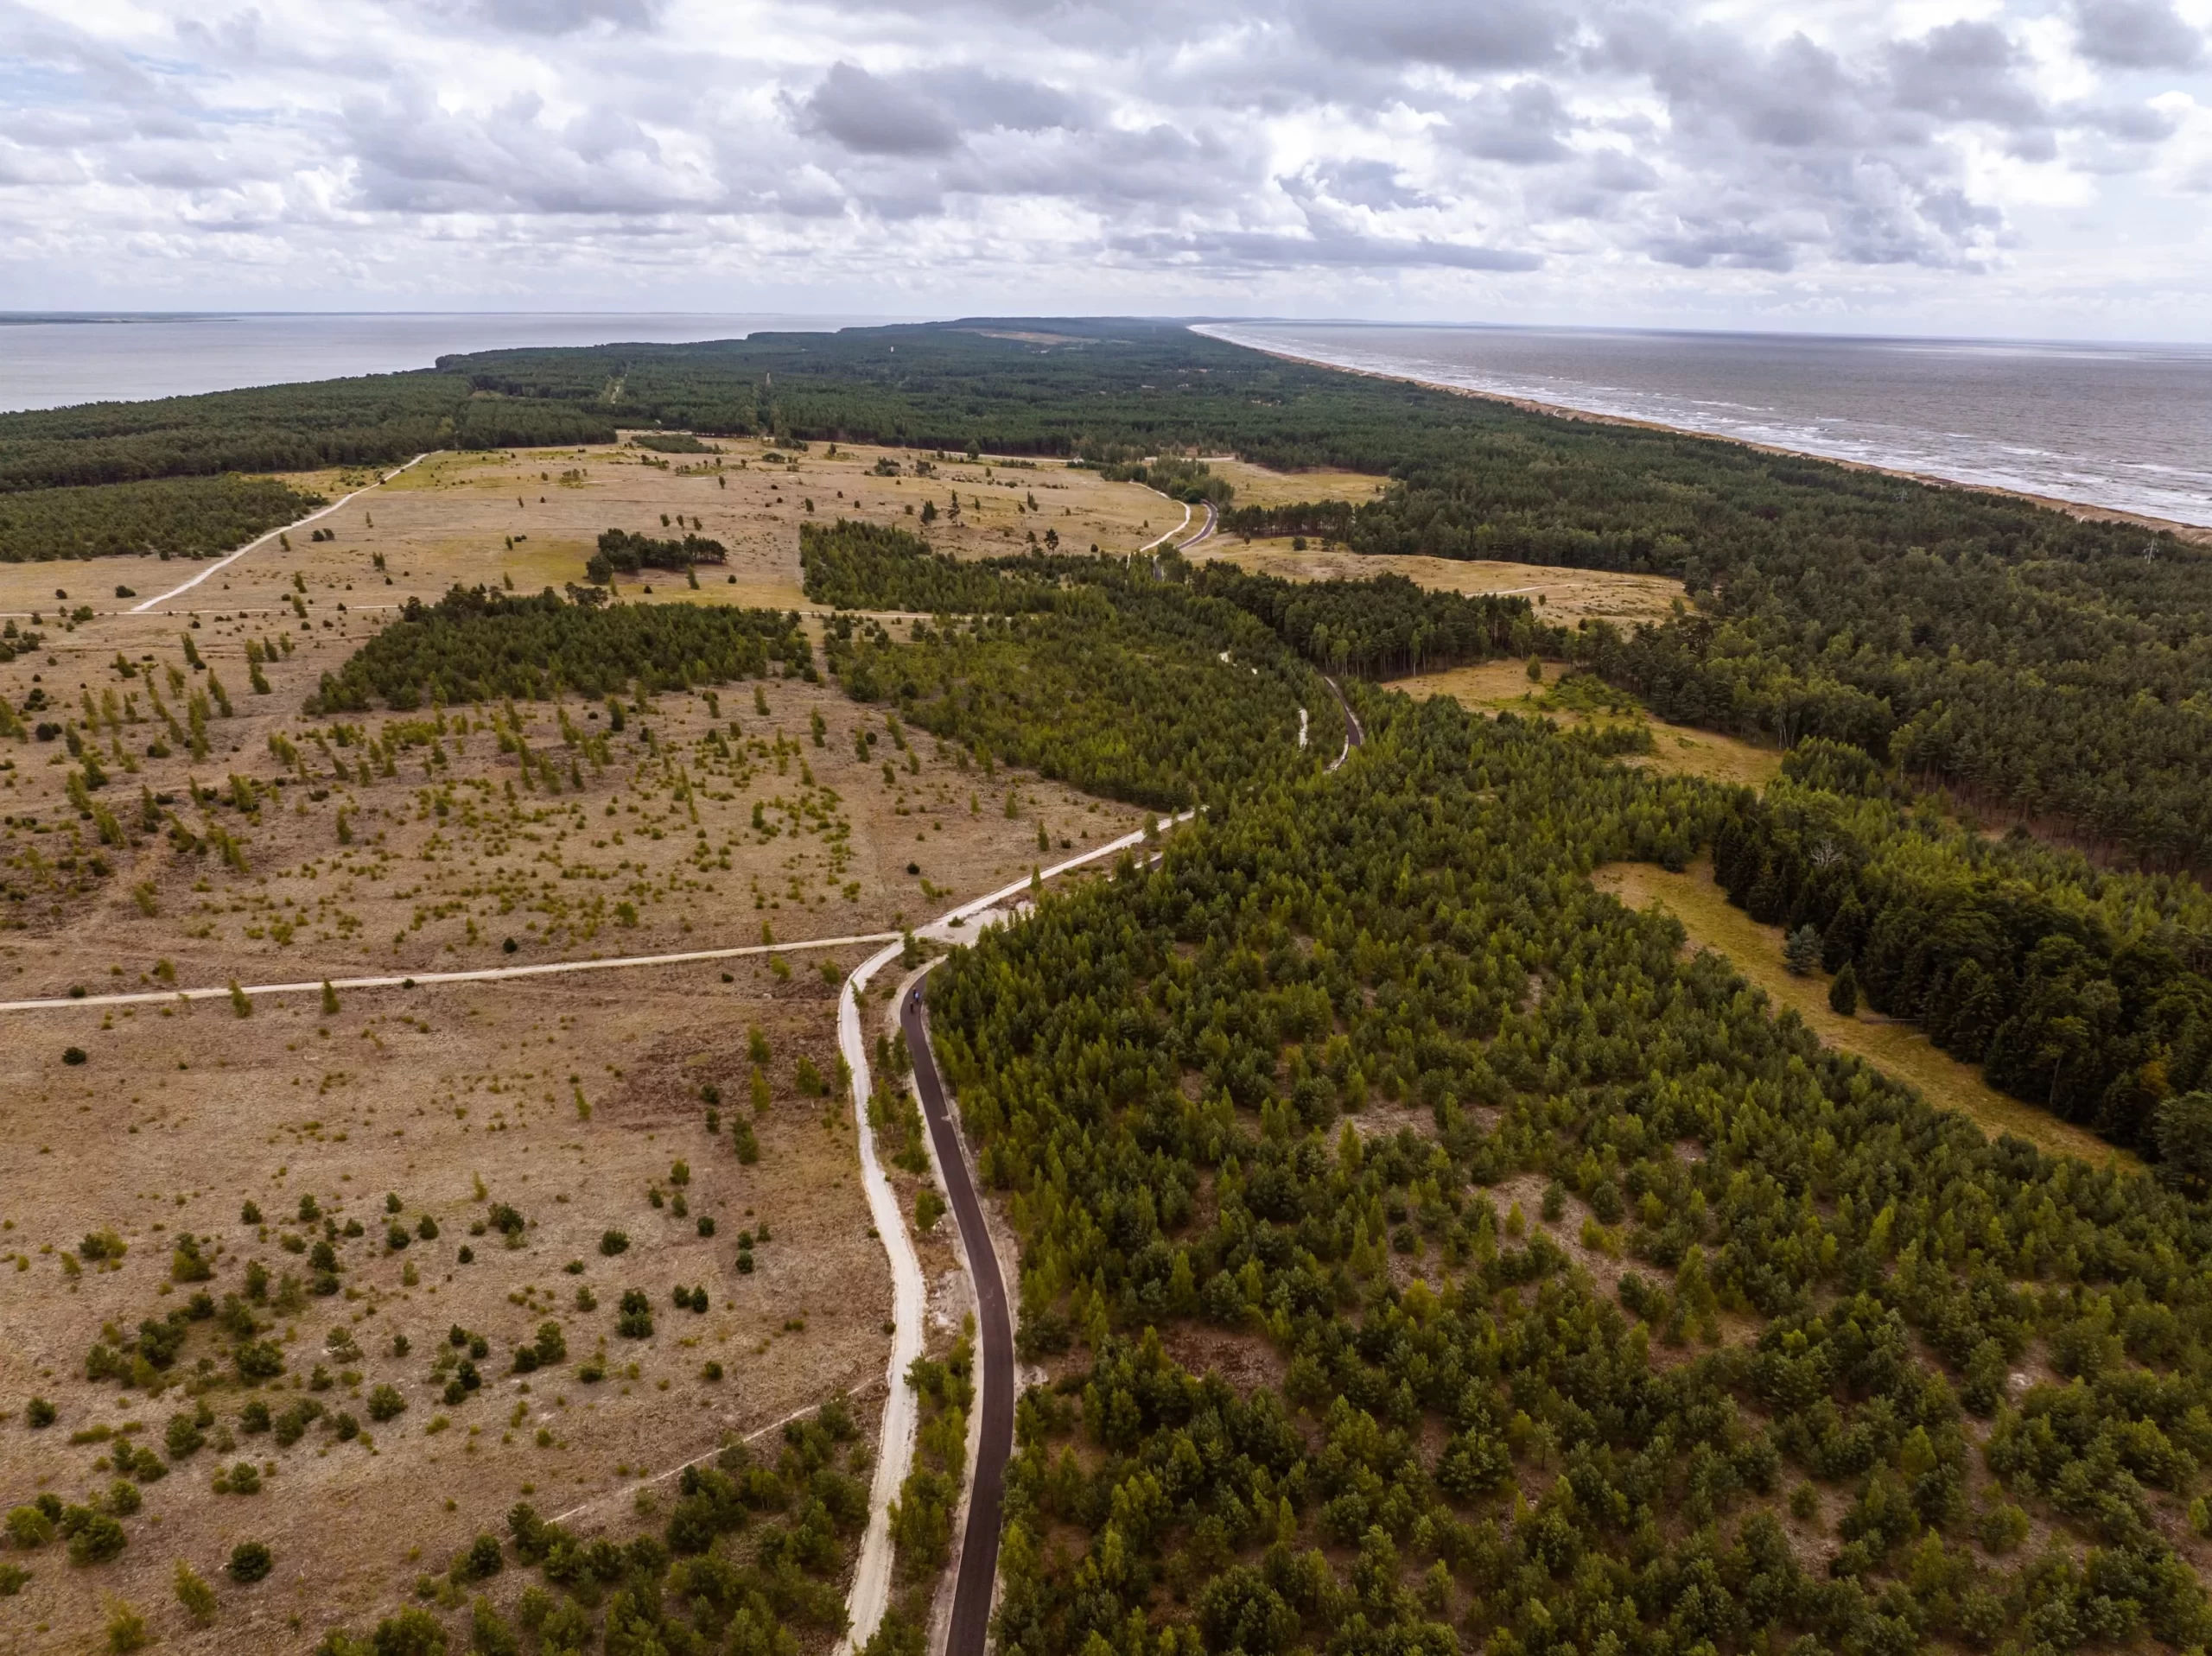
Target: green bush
[95, 1539]
[250, 1562]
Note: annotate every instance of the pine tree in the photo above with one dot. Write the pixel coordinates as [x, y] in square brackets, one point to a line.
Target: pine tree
[1800, 953]
[1843, 994]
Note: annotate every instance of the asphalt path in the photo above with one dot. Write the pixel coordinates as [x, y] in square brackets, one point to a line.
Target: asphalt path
[979, 1549]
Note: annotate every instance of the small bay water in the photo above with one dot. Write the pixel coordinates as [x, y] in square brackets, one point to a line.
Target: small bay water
[2124, 427]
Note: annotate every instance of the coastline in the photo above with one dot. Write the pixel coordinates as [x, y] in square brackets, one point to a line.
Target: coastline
[2189, 534]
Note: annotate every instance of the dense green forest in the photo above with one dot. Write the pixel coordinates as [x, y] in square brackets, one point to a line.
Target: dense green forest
[373, 420]
[1385, 627]
[2082, 991]
[877, 566]
[184, 518]
[475, 645]
[1757, 1388]
[1124, 693]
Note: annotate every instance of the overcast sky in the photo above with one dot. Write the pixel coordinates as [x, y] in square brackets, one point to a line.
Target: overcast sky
[2031, 168]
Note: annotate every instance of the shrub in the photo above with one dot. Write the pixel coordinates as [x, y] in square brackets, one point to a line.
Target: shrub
[248, 1215]
[98, 1538]
[928, 1208]
[28, 1528]
[386, 1404]
[250, 1562]
[612, 1242]
[411, 1633]
[427, 1228]
[39, 1413]
[479, 1561]
[194, 1594]
[126, 1628]
[123, 1499]
[73, 1054]
[258, 1361]
[183, 1436]
[636, 1320]
[254, 1416]
[243, 1479]
[706, 1224]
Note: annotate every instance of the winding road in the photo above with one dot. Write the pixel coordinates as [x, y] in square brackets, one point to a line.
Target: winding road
[225, 562]
[977, 1584]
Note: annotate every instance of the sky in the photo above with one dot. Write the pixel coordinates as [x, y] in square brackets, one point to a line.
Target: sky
[2030, 170]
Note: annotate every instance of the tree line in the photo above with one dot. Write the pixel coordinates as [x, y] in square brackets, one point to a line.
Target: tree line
[184, 518]
[622, 553]
[478, 645]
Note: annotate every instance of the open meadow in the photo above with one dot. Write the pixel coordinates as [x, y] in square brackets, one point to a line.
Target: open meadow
[350, 1181]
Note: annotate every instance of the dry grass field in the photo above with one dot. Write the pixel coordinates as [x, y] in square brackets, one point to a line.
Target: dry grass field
[1562, 596]
[1677, 750]
[1897, 1049]
[285, 848]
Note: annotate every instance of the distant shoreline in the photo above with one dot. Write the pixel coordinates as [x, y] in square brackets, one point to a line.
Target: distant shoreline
[2192, 534]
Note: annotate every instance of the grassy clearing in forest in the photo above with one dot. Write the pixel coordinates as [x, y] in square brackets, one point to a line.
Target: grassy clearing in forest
[1898, 1049]
[1677, 750]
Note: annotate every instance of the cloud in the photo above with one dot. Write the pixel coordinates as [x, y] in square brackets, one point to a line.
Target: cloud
[1430, 147]
[1277, 250]
[1452, 34]
[1520, 124]
[870, 115]
[926, 113]
[2136, 35]
[566, 16]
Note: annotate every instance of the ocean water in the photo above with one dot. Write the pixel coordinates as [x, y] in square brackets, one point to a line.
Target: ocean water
[49, 361]
[2124, 427]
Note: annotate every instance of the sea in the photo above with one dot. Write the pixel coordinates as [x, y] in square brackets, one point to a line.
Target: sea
[2125, 427]
[50, 360]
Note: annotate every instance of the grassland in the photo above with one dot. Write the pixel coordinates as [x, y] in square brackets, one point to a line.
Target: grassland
[1565, 596]
[713, 818]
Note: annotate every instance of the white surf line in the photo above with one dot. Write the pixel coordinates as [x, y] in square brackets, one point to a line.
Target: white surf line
[263, 540]
[425, 979]
[894, 1451]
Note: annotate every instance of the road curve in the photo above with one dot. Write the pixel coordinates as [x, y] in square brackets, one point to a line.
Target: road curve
[1355, 733]
[263, 540]
[871, 1590]
[894, 1450]
[1213, 519]
[1173, 532]
[979, 1549]
[977, 1581]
